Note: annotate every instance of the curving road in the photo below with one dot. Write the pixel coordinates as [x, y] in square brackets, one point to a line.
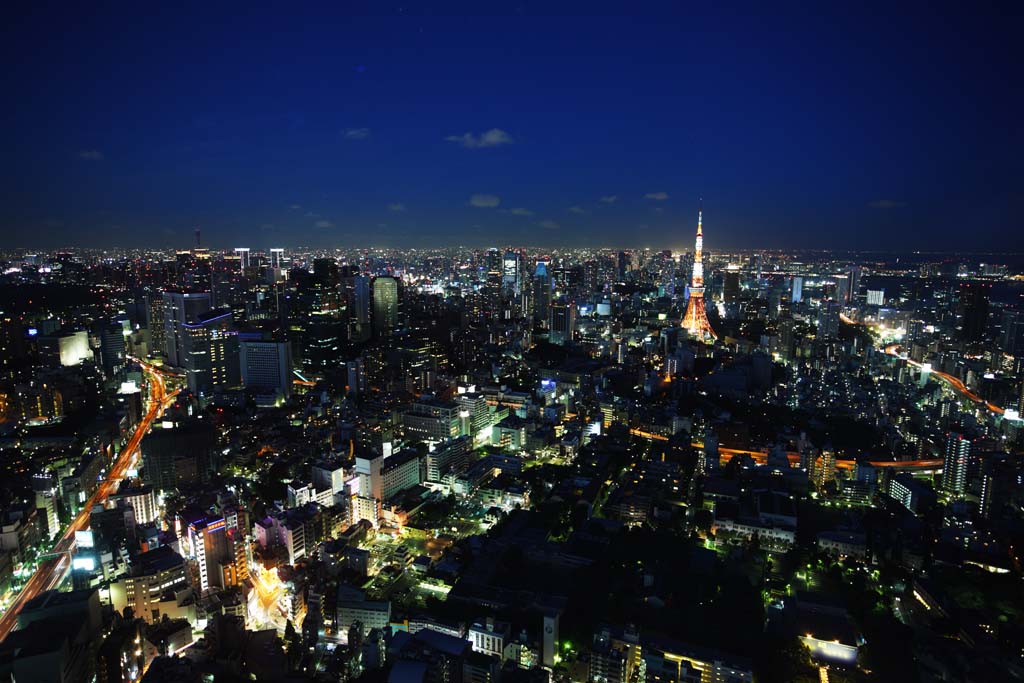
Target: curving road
[51, 572]
[953, 382]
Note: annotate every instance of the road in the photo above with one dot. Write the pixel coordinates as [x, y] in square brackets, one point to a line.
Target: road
[955, 383]
[761, 457]
[51, 572]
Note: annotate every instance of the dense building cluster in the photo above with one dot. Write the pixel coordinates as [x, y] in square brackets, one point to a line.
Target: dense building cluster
[510, 465]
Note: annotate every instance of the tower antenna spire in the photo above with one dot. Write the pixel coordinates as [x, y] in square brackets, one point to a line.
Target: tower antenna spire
[696, 319]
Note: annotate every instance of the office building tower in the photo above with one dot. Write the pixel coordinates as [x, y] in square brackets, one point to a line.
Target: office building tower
[210, 352]
[369, 473]
[45, 488]
[357, 382]
[277, 258]
[267, 370]
[1011, 337]
[731, 284]
[112, 347]
[208, 546]
[974, 310]
[179, 456]
[155, 324]
[243, 258]
[797, 291]
[541, 292]
[385, 306]
[828, 320]
[876, 297]
[842, 282]
[998, 480]
[955, 463]
[853, 275]
[562, 322]
[510, 272]
[696, 319]
[180, 308]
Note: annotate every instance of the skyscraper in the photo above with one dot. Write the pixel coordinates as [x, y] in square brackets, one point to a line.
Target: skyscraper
[696, 319]
[180, 308]
[731, 285]
[828, 320]
[243, 258]
[276, 258]
[267, 368]
[511, 268]
[541, 291]
[954, 466]
[974, 310]
[112, 347]
[797, 294]
[563, 322]
[385, 306]
[210, 352]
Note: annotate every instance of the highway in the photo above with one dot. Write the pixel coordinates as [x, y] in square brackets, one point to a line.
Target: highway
[761, 457]
[953, 382]
[52, 571]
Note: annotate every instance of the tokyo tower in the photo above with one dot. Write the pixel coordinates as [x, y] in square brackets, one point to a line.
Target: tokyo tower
[696, 319]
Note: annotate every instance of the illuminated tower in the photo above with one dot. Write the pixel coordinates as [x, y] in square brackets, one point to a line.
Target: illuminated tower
[696, 319]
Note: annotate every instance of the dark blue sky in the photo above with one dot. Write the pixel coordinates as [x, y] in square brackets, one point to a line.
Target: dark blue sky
[861, 128]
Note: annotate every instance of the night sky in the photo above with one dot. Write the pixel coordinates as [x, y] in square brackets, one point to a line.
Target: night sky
[129, 125]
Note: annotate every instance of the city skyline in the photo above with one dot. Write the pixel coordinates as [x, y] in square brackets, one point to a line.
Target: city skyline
[571, 131]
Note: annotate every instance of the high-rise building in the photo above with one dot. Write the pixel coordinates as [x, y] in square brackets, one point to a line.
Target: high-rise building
[112, 347]
[511, 266]
[955, 463]
[731, 284]
[563, 322]
[974, 310]
[267, 369]
[828, 320]
[243, 258]
[155, 324]
[385, 306]
[842, 282]
[854, 275]
[541, 292]
[997, 485]
[277, 258]
[797, 292]
[876, 297]
[357, 381]
[696, 319]
[1011, 337]
[210, 352]
[207, 545]
[180, 308]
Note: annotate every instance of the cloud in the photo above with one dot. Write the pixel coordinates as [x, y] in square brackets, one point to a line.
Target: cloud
[397, 206]
[657, 196]
[323, 224]
[609, 199]
[658, 210]
[90, 155]
[521, 212]
[550, 225]
[577, 209]
[356, 133]
[484, 201]
[295, 207]
[887, 204]
[495, 137]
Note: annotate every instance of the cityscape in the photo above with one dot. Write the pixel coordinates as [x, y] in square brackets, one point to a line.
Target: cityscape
[641, 430]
